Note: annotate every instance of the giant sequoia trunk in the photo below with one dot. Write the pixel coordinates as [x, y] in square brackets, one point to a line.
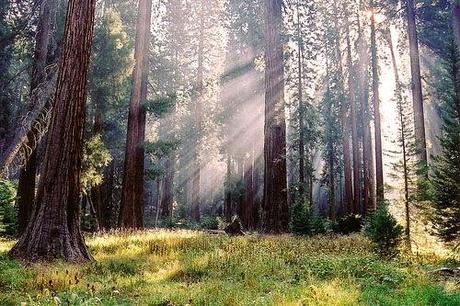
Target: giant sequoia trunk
[132, 199]
[376, 100]
[275, 216]
[417, 96]
[54, 230]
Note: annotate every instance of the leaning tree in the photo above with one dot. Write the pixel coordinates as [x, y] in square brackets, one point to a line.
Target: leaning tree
[53, 232]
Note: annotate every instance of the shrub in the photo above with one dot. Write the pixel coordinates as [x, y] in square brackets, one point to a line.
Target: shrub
[210, 223]
[384, 232]
[300, 219]
[321, 225]
[349, 224]
[8, 211]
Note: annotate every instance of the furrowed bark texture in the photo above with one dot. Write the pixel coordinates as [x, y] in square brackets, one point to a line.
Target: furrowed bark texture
[275, 218]
[54, 231]
[132, 198]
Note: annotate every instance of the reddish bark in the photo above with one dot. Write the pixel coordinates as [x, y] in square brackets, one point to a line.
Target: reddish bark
[132, 199]
[275, 217]
[376, 102]
[54, 230]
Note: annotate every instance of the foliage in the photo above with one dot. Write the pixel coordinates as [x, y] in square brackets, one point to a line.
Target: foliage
[161, 105]
[384, 231]
[8, 210]
[321, 225]
[300, 219]
[349, 224]
[181, 267]
[446, 167]
[96, 156]
[210, 222]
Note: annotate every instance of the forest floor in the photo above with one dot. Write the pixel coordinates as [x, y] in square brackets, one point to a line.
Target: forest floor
[194, 268]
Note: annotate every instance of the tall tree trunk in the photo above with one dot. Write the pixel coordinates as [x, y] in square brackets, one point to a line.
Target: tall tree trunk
[376, 100]
[275, 207]
[54, 230]
[354, 125]
[168, 188]
[403, 141]
[26, 186]
[249, 200]
[196, 178]
[228, 192]
[367, 142]
[132, 199]
[417, 95]
[301, 114]
[348, 198]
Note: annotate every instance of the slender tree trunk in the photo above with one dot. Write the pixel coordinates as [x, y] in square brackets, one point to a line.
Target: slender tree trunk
[196, 178]
[348, 199]
[367, 145]
[249, 200]
[54, 231]
[301, 114]
[275, 208]
[132, 199]
[332, 193]
[403, 141]
[417, 95]
[376, 100]
[26, 186]
[354, 126]
[168, 181]
[228, 191]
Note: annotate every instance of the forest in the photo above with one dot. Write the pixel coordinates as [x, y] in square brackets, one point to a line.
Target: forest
[229, 152]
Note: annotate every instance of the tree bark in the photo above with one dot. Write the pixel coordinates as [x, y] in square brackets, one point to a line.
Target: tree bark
[275, 217]
[417, 94]
[228, 211]
[249, 200]
[196, 178]
[302, 183]
[348, 198]
[54, 231]
[354, 126]
[376, 102]
[367, 142]
[132, 199]
[168, 188]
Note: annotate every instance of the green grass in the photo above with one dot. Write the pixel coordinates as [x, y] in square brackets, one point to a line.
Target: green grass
[183, 267]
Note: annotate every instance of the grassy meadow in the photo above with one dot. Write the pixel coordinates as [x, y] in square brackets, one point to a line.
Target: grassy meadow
[195, 268]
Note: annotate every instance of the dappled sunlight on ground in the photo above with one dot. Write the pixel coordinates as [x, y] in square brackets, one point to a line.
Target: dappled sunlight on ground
[185, 267]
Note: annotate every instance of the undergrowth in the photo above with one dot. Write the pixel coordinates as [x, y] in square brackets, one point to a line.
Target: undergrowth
[185, 267]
